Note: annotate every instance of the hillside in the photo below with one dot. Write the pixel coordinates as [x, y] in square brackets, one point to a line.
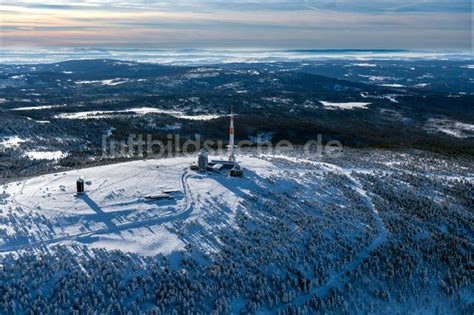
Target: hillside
[294, 233]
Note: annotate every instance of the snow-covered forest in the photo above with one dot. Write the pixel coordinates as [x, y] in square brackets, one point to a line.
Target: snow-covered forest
[375, 231]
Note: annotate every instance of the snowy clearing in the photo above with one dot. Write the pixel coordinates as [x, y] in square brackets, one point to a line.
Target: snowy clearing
[38, 107]
[11, 142]
[421, 85]
[375, 77]
[449, 127]
[135, 111]
[370, 65]
[110, 82]
[394, 85]
[45, 155]
[347, 105]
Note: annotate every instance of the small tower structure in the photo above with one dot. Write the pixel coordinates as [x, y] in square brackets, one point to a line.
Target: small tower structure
[202, 160]
[80, 186]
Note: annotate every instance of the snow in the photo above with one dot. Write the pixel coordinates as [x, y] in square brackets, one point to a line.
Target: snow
[337, 280]
[261, 137]
[346, 105]
[91, 114]
[426, 76]
[172, 127]
[390, 97]
[11, 142]
[277, 100]
[113, 213]
[45, 155]
[370, 65]
[150, 110]
[135, 111]
[198, 117]
[110, 82]
[450, 127]
[421, 85]
[39, 107]
[395, 85]
[18, 77]
[375, 77]
[143, 241]
[232, 85]
[369, 231]
[197, 74]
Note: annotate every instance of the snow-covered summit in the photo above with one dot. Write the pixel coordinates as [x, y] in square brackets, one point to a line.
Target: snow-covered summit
[114, 213]
[370, 232]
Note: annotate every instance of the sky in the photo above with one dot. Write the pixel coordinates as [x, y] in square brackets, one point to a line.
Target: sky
[282, 24]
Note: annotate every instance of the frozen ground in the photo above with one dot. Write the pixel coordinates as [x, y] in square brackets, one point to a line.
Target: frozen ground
[370, 232]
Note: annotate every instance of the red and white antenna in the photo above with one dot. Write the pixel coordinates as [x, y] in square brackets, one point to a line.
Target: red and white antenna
[231, 146]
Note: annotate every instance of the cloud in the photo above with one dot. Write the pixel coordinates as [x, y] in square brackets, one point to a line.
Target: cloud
[215, 23]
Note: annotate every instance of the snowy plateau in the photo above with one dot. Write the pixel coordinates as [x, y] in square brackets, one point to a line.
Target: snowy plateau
[374, 231]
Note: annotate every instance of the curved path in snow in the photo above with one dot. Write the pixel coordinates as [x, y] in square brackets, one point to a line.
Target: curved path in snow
[182, 213]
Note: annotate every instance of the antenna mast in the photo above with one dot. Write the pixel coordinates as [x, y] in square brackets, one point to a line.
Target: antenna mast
[231, 136]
